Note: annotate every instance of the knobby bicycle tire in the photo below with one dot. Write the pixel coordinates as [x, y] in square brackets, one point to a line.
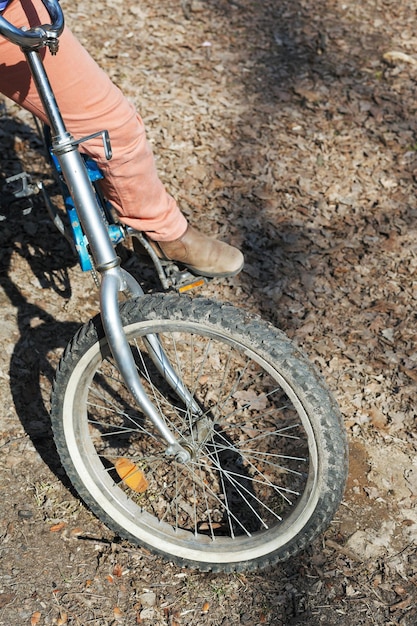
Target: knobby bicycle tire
[268, 460]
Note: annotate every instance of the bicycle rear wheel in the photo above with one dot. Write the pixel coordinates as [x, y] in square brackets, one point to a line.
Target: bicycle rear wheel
[268, 454]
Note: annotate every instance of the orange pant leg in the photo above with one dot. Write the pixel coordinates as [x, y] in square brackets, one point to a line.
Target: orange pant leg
[90, 102]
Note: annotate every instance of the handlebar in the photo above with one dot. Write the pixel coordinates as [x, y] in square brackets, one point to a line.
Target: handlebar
[39, 36]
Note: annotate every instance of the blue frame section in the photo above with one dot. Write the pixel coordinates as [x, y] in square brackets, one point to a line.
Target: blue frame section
[116, 232]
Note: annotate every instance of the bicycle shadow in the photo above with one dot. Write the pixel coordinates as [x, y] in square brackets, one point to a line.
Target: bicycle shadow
[35, 263]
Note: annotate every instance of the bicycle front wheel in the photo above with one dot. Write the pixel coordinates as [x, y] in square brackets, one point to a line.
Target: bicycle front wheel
[267, 447]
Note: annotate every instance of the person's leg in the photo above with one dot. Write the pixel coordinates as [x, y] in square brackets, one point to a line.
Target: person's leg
[90, 102]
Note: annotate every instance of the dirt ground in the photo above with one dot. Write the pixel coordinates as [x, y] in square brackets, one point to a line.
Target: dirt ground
[287, 128]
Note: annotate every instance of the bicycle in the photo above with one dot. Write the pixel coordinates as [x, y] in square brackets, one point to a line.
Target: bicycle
[188, 426]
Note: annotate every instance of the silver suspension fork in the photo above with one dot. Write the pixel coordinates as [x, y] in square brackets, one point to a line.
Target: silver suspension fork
[114, 279]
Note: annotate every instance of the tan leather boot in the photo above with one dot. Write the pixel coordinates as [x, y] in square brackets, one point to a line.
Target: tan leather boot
[202, 255]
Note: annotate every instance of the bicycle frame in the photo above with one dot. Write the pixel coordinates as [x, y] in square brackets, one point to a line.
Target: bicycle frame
[114, 279]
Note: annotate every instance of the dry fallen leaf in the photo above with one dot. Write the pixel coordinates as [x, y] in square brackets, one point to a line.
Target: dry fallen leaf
[378, 419]
[251, 399]
[6, 598]
[206, 607]
[117, 570]
[36, 616]
[410, 373]
[211, 526]
[118, 614]
[400, 606]
[57, 527]
[394, 55]
[400, 590]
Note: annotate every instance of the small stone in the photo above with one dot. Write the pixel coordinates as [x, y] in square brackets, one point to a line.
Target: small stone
[147, 599]
[148, 613]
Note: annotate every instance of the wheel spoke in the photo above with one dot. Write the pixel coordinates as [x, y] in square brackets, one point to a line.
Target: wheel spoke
[232, 394]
